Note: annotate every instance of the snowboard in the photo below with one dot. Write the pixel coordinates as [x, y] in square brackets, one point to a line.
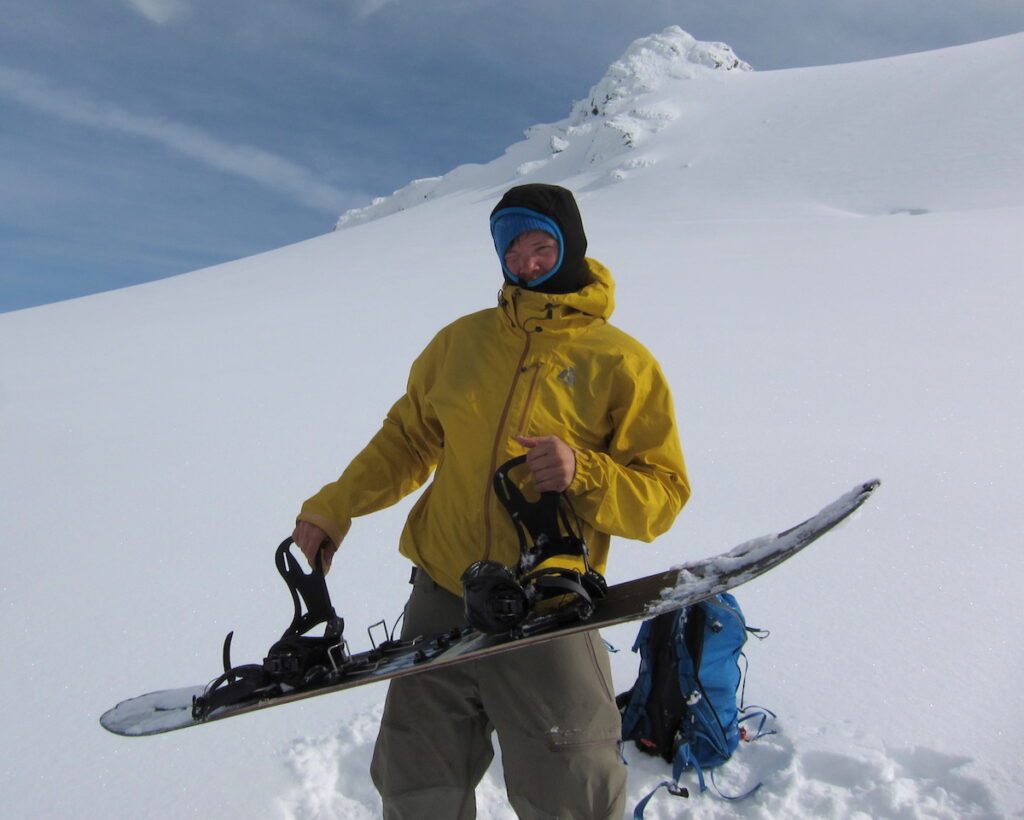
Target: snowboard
[676, 588]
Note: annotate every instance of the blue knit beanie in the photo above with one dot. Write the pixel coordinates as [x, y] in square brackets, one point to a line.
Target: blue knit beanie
[509, 223]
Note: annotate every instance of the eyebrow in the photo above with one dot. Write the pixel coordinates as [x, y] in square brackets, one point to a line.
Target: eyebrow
[538, 242]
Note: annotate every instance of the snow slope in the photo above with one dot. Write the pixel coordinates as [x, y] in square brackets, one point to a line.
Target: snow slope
[825, 260]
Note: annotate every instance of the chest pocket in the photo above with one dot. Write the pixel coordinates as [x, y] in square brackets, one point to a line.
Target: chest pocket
[563, 401]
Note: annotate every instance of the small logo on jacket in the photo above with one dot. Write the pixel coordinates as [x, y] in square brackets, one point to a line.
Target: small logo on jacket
[568, 376]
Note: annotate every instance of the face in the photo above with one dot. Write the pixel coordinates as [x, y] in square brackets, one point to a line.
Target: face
[531, 255]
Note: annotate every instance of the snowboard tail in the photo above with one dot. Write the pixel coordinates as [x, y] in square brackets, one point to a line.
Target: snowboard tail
[676, 588]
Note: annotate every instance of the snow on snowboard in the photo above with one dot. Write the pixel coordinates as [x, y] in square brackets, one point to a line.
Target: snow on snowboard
[687, 584]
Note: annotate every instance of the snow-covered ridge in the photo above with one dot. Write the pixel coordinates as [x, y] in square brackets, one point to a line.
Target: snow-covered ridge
[868, 139]
[609, 122]
[647, 64]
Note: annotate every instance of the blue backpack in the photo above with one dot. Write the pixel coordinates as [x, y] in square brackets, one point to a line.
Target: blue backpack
[683, 705]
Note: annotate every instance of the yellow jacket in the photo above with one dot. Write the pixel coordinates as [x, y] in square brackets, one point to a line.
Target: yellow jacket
[538, 364]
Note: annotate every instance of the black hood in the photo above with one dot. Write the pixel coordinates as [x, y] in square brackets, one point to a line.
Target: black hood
[559, 205]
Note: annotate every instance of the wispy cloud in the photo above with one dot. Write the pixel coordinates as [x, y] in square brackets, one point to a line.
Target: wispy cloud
[257, 165]
[161, 11]
[364, 8]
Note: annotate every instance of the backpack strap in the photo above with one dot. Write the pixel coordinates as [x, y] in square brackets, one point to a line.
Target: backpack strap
[671, 786]
[760, 731]
[685, 760]
[731, 797]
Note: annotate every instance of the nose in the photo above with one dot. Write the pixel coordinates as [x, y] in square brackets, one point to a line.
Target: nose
[523, 265]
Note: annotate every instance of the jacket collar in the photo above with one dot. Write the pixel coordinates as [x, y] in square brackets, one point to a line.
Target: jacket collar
[526, 310]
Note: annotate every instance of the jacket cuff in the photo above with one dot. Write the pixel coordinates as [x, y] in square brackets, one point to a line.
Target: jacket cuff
[335, 531]
[583, 478]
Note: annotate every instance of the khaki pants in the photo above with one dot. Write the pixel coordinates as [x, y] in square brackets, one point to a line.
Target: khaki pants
[552, 705]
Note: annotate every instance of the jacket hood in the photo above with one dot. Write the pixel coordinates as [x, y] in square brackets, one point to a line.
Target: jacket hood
[541, 205]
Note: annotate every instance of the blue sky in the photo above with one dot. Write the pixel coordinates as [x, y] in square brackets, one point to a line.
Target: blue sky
[145, 138]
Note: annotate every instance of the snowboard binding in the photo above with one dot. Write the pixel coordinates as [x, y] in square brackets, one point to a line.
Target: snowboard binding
[296, 660]
[553, 574]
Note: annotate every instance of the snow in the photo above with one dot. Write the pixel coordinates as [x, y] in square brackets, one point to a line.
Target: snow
[826, 262]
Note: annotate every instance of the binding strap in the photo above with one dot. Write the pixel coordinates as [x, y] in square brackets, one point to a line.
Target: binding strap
[546, 527]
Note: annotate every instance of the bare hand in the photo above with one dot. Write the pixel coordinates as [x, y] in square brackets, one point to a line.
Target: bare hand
[311, 540]
[551, 460]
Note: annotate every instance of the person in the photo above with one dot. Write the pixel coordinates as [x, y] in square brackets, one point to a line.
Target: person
[544, 374]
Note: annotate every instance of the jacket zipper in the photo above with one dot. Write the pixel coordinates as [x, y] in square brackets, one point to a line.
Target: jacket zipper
[503, 420]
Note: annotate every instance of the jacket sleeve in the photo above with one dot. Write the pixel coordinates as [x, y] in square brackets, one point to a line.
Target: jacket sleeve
[636, 488]
[398, 459]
